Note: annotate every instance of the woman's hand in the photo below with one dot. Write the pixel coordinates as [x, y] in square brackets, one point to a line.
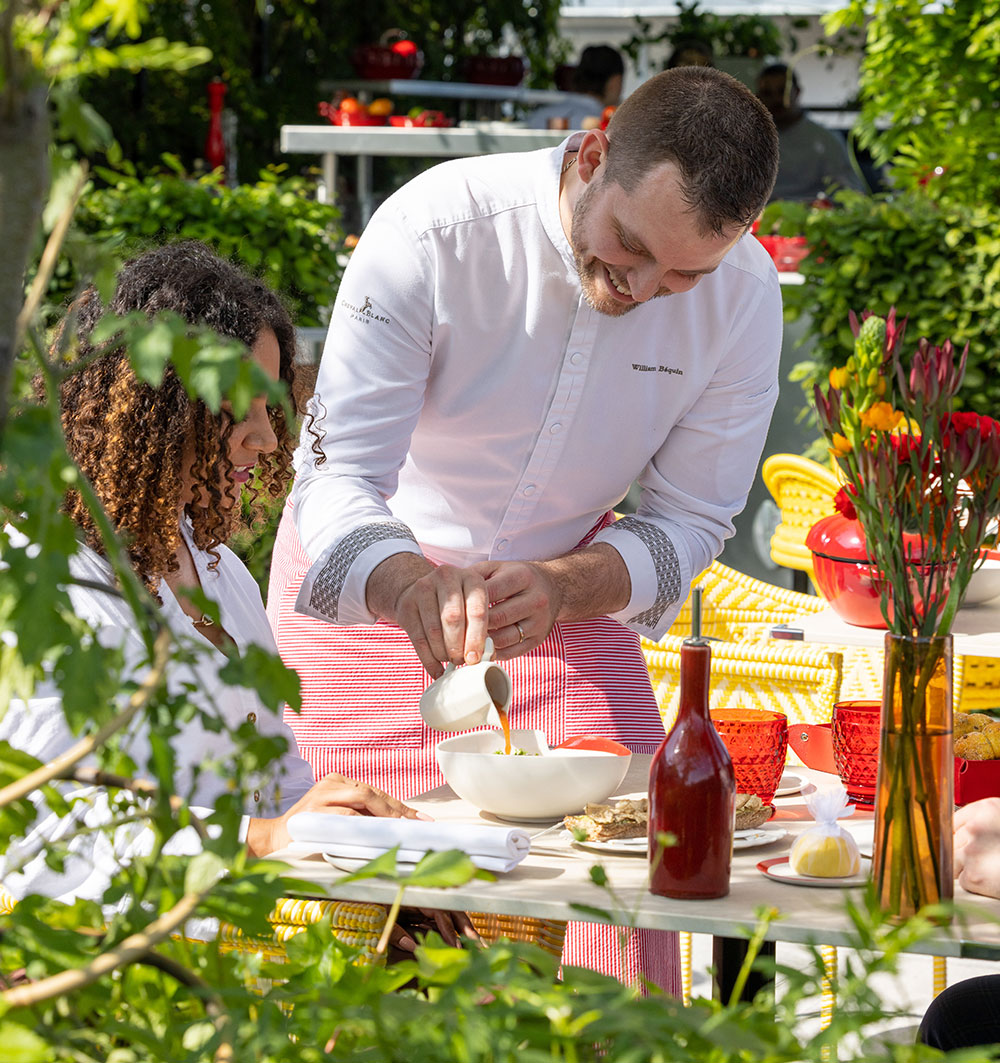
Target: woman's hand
[415, 923]
[335, 794]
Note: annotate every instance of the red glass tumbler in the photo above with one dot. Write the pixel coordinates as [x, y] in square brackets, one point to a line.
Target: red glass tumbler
[757, 740]
[855, 748]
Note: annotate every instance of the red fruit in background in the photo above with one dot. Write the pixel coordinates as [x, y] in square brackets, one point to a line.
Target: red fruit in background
[404, 47]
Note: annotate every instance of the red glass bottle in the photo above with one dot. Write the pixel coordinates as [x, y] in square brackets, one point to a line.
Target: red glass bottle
[692, 793]
[215, 145]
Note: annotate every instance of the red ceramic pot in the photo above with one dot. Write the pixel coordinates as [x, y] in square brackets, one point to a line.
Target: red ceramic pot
[846, 576]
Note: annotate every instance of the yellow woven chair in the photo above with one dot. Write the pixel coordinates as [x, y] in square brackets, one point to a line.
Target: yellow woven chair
[803, 490]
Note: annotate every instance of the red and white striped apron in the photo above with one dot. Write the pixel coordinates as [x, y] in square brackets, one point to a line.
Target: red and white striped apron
[360, 691]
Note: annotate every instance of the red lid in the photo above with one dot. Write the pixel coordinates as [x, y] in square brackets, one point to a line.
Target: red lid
[836, 536]
[842, 539]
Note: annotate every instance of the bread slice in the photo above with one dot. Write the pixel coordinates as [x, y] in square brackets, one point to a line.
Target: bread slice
[751, 812]
[623, 819]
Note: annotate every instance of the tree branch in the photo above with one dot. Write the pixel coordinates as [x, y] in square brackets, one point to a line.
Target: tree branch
[96, 777]
[65, 762]
[128, 951]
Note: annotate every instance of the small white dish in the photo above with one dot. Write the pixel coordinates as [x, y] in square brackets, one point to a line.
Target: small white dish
[788, 784]
[780, 870]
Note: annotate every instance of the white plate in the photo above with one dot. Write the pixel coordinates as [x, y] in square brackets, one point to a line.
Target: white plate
[750, 839]
[742, 839]
[618, 846]
[350, 864]
[779, 869]
[788, 784]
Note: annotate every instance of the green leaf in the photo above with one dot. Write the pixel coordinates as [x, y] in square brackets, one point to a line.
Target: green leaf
[203, 872]
[21, 1045]
[445, 870]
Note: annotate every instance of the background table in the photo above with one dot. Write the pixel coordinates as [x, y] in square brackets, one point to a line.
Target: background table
[555, 877]
[366, 141]
[976, 631]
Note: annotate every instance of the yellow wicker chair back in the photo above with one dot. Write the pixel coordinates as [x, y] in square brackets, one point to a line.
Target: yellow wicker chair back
[803, 490]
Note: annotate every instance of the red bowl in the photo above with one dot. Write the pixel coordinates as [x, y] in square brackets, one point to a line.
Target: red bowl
[852, 588]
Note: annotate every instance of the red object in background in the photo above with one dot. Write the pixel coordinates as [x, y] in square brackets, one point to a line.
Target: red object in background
[404, 46]
[215, 146]
[606, 117]
[856, 736]
[976, 779]
[757, 742]
[383, 61]
[424, 120]
[493, 69]
[786, 251]
[692, 793]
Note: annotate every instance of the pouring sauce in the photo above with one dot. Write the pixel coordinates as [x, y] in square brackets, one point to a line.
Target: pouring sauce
[505, 724]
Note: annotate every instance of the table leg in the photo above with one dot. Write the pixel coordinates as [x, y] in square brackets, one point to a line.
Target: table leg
[330, 176]
[366, 194]
[728, 955]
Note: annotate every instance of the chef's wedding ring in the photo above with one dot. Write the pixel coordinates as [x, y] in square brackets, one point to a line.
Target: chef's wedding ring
[520, 631]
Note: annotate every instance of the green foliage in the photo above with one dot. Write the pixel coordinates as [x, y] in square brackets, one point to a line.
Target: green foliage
[275, 227]
[273, 57]
[937, 263]
[753, 36]
[930, 93]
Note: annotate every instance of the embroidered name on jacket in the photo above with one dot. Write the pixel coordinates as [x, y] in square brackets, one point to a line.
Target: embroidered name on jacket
[364, 313]
[640, 368]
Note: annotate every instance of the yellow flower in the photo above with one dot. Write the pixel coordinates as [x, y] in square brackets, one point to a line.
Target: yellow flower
[881, 417]
[841, 446]
[839, 378]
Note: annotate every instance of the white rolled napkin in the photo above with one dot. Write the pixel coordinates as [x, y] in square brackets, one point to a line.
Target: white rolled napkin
[365, 837]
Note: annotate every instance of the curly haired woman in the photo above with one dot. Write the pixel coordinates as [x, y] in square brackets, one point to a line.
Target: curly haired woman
[170, 475]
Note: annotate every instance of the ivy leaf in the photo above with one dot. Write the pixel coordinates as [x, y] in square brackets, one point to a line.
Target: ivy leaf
[445, 870]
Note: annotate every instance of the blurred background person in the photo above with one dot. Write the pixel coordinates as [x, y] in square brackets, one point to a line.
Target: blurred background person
[813, 159]
[597, 84]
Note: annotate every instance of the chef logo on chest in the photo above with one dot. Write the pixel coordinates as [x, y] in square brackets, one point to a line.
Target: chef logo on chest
[364, 313]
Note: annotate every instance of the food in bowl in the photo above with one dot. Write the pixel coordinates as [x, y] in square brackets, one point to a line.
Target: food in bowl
[548, 785]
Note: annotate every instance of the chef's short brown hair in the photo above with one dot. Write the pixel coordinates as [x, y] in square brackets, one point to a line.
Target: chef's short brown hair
[713, 128]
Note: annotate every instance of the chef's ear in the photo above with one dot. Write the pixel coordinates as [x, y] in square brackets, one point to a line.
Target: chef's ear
[593, 153]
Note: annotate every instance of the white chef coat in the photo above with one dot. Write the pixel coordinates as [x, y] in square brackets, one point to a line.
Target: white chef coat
[472, 405]
[38, 727]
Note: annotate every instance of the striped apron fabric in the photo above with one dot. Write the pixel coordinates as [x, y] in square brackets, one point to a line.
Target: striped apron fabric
[360, 691]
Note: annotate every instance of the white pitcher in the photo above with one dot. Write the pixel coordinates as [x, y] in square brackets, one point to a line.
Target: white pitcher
[467, 696]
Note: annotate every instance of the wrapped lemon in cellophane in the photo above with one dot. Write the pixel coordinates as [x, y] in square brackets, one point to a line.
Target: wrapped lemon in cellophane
[826, 850]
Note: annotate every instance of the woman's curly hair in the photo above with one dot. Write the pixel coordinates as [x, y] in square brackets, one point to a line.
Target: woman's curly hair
[129, 438]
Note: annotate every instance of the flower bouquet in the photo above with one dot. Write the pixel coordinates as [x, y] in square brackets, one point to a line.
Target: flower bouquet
[923, 481]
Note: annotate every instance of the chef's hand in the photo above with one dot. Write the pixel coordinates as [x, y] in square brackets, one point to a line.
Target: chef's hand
[334, 794]
[442, 609]
[977, 847]
[529, 597]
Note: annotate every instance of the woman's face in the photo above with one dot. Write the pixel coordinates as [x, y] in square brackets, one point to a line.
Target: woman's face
[249, 439]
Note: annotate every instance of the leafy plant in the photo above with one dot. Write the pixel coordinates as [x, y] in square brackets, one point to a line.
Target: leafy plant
[275, 227]
[930, 93]
[938, 262]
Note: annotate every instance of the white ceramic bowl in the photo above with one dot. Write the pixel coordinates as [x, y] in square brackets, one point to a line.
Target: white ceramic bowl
[558, 782]
[984, 585]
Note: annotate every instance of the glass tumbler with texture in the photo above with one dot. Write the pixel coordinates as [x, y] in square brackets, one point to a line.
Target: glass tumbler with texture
[757, 740]
[855, 730]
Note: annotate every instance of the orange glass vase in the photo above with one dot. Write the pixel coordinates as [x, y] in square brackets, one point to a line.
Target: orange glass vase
[916, 776]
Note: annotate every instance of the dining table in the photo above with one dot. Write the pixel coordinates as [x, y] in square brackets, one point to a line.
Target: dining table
[554, 882]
